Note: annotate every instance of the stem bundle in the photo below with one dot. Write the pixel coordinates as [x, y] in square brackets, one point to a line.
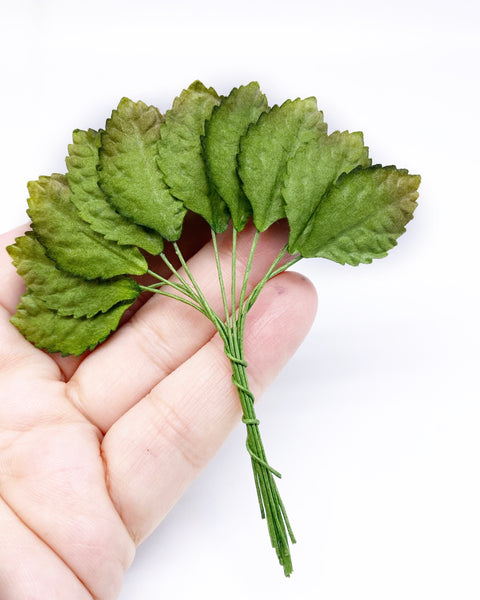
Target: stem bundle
[231, 329]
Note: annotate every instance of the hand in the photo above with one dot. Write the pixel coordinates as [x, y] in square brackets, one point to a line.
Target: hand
[95, 450]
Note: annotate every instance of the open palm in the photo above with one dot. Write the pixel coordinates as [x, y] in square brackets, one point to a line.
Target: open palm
[94, 451]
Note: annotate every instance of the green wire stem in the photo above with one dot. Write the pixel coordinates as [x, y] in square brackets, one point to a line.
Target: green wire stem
[231, 330]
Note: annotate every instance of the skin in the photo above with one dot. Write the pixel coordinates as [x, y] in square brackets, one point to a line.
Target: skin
[95, 450]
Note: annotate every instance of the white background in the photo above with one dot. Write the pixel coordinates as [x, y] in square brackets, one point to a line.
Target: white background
[375, 422]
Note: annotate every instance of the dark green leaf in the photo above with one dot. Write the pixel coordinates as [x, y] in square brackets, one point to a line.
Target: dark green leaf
[70, 241]
[228, 123]
[361, 216]
[129, 173]
[50, 331]
[313, 169]
[180, 154]
[62, 292]
[92, 203]
[266, 149]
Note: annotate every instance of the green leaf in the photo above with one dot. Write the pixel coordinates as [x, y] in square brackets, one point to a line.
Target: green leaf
[91, 202]
[266, 149]
[180, 154]
[228, 123]
[52, 332]
[361, 216]
[313, 169]
[129, 173]
[70, 241]
[62, 292]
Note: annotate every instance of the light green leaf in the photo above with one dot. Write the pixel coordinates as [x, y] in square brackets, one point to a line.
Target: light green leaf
[313, 169]
[52, 332]
[266, 149]
[91, 202]
[129, 173]
[228, 123]
[361, 216]
[62, 292]
[180, 154]
[70, 241]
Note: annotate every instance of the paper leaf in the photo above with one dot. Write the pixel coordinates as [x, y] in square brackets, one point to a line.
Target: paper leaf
[180, 154]
[70, 241]
[52, 332]
[313, 169]
[62, 292]
[129, 173]
[228, 123]
[361, 216]
[91, 202]
[266, 149]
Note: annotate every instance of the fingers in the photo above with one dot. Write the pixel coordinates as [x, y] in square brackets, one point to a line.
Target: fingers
[158, 447]
[53, 477]
[162, 334]
[30, 569]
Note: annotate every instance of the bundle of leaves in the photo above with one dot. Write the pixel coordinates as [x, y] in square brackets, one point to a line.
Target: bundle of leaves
[230, 159]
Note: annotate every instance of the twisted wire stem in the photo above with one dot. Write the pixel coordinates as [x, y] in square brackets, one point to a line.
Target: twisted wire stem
[271, 505]
[231, 329]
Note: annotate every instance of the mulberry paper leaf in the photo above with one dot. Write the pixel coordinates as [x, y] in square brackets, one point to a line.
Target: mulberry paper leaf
[52, 332]
[180, 154]
[62, 292]
[129, 173]
[362, 215]
[92, 203]
[228, 123]
[313, 169]
[266, 149]
[70, 241]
